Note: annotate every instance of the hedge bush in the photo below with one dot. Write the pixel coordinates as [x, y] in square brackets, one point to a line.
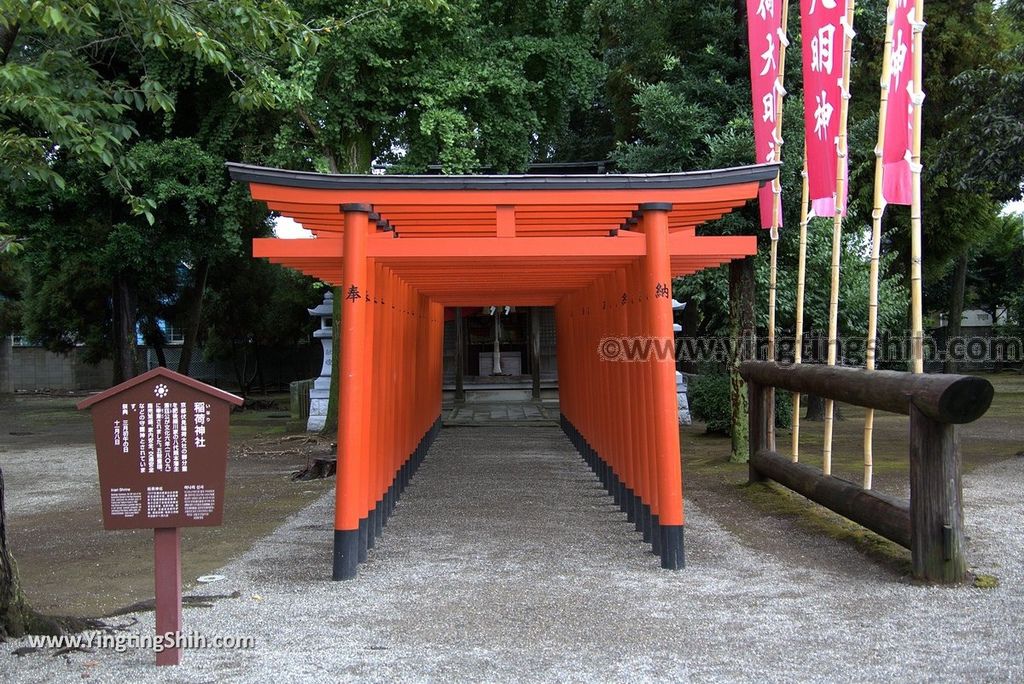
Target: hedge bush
[709, 401]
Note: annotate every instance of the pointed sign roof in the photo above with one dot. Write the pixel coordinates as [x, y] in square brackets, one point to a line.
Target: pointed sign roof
[161, 372]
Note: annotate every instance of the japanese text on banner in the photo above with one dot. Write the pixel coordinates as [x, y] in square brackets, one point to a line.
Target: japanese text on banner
[899, 116]
[764, 34]
[823, 34]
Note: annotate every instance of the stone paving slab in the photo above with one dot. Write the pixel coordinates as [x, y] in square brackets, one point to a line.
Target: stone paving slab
[493, 414]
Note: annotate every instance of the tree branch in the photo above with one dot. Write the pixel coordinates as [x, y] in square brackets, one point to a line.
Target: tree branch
[332, 162]
[7, 37]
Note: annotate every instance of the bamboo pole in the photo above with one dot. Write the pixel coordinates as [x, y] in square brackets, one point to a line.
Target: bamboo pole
[837, 231]
[917, 99]
[780, 92]
[876, 237]
[801, 273]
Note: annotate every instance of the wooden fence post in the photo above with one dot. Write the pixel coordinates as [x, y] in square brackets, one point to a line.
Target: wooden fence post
[936, 501]
[759, 416]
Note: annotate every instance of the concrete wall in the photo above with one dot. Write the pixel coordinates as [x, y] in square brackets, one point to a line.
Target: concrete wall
[6, 381]
[34, 368]
[31, 369]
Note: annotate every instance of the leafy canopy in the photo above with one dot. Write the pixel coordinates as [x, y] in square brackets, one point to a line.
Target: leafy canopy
[72, 72]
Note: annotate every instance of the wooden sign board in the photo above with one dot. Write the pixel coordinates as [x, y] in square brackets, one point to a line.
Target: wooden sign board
[161, 447]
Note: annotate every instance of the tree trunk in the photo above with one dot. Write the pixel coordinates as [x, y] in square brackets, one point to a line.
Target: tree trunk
[956, 309]
[998, 362]
[357, 157]
[256, 351]
[690, 323]
[161, 356]
[741, 330]
[126, 353]
[739, 46]
[8, 35]
[816, 409]
[815, 404]
[194, 317]
[154, 338]
[15, 614]
[238, 365]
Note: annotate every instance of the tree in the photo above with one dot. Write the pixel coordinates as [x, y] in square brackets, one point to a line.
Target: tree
[78, 80]
[254, 306]
[95, 268]
[411, 84]
[985, 147]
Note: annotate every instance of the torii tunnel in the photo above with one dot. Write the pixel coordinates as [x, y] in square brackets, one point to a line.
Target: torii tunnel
[600, 249]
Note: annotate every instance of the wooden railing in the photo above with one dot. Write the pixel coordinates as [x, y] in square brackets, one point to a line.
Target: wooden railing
[931, 523]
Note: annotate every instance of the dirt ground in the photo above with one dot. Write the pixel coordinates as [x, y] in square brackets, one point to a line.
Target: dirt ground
[71, 566]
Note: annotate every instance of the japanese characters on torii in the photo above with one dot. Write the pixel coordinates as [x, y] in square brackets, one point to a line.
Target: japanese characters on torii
[766, 38]
[897, 176]
[823, 30]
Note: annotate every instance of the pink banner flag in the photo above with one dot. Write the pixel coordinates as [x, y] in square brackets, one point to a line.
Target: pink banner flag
[899, 117]
[764, 35]
[822, 29]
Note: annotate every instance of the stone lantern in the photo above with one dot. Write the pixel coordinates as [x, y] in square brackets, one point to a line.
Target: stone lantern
[682, 403]
[321, 390]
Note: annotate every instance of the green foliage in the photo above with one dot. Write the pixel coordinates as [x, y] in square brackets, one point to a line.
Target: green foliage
[258, 303]
[708, 394]
[82, 238]
[72, 72]
[678, 95]
[112, 111]
[995, 271]
[463, 84]
[783, 409]
[985, 149]
[709, 401]
[12, 281]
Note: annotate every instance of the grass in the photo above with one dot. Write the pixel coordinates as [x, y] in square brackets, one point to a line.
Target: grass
[263, 422]
[47, 419]
[775, 499]
[986, 581]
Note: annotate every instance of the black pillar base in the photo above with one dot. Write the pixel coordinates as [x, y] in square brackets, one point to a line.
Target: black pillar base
[371, 528]
[666, 540]
[655, 536]
[378, 519]
[363, 540]
[351, 546]
[672, 555]
[346, 554]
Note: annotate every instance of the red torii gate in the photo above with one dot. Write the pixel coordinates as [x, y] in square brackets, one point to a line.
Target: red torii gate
[600, 249]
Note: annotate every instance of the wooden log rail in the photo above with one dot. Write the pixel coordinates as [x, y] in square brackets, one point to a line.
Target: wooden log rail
[931, 523]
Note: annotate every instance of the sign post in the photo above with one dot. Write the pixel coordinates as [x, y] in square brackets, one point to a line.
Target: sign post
[161, 450]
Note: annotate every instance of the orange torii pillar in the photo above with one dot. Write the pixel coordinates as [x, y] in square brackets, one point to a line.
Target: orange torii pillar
[632, 445]
[657, 274]
[352, 471]
[389, 399]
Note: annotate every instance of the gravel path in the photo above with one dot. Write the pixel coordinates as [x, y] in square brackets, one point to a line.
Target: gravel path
[506, 562]
[49, 478]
